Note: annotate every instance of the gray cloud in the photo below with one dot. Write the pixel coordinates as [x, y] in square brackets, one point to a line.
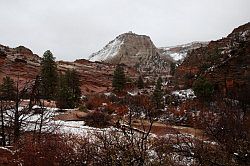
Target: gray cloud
[74, 29]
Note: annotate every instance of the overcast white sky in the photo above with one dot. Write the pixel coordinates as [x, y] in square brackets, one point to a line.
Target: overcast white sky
[74, 29]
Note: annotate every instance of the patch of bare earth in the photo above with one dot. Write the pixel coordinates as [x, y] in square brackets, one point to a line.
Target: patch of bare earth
[161, 129]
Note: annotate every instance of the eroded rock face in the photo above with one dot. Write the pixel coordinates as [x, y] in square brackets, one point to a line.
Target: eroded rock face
[21, 64]
[135, 51]
[18, 63]
[224, 62]
[95, 77]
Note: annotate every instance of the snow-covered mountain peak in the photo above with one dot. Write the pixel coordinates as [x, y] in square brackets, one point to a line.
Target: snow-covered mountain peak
[132, 50]
[113, 47]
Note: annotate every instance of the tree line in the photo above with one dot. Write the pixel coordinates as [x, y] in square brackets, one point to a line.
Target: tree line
[119, 82]
[50, 84]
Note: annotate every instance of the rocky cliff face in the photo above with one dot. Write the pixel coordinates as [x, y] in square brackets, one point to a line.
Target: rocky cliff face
[21, 64]
[179, 52]
[135, 51]
[95, 77]
[224, 62]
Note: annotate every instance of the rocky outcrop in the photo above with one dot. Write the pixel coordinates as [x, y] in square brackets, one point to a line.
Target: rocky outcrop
[21, 64]
[224, 62]
[95, 77]
[18, 63]
[135, 51]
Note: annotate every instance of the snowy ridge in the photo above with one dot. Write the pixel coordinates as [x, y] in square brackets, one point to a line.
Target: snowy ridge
[179, 52]
[109, 51]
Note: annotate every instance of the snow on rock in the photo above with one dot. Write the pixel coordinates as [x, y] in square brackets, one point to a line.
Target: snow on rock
[179, 52]
[108, 94]
[133, 50]
[134, 93]
[109, 51]
[7, 149]
[184, 94]
[243, 35]
[67, 66]
[175, 55]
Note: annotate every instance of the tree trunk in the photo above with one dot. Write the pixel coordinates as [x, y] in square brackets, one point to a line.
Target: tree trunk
[16, 116]
[2, 126]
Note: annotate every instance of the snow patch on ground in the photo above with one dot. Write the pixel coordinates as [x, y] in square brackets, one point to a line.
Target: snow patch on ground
[32, 122]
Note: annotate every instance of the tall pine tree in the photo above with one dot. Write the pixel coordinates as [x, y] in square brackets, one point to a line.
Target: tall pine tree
[158, 94]
[49, 75]
[119, 79]
[7, 89]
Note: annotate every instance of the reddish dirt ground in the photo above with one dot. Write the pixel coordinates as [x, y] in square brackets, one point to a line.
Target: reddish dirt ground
[161, 129]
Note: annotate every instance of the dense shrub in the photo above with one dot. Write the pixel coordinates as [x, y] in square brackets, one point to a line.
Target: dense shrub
[42, 150]
[97, 119]
[95, 101]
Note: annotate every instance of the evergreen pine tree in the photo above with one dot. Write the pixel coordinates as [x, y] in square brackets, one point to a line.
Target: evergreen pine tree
[48, 75]
[140, 83]
[203, 89]
[63, 93]
[7, 89]
[73, 82]
[119, 79]
[68, 90]
[158, 94]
